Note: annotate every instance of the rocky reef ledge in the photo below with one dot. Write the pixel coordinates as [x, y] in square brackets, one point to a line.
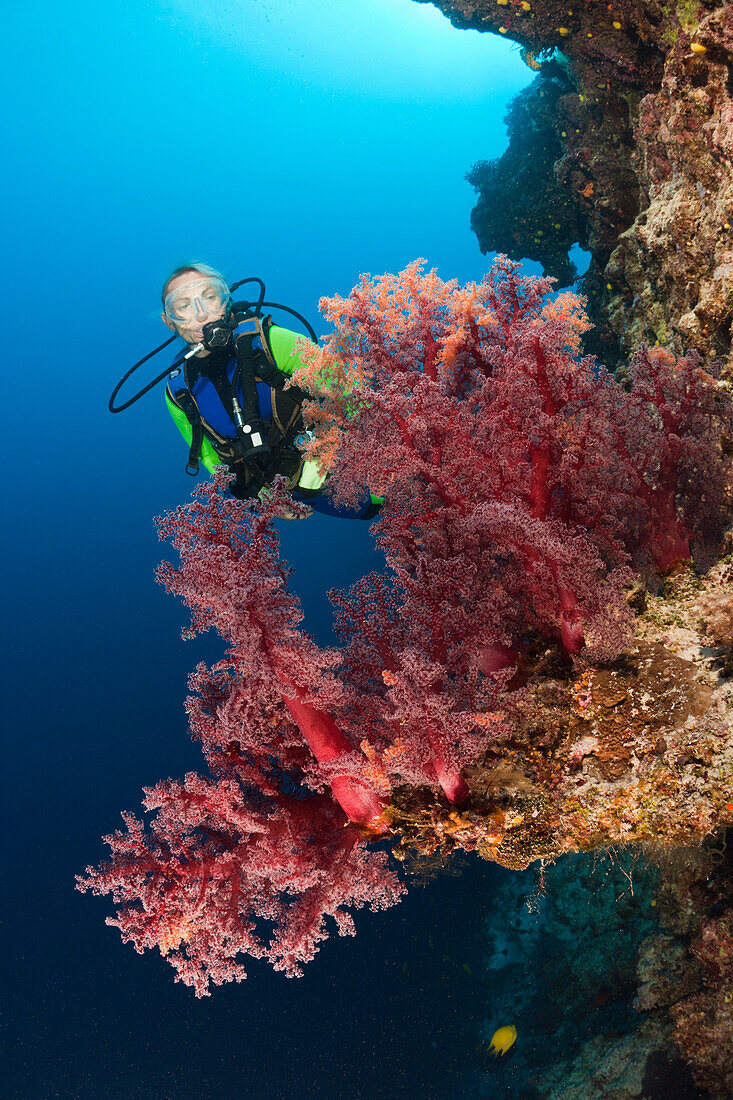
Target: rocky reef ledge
[638, 750]
[634, 755]
[624, 142]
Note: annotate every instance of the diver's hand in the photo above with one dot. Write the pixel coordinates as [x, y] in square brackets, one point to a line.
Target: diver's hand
[283, 512]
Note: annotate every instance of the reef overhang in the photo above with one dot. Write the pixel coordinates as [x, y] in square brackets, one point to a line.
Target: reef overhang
[632, 117]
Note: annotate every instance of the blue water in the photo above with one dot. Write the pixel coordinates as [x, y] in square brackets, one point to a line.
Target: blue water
[305, 142]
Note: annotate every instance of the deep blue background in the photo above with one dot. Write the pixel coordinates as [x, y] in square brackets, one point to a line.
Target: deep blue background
[305, 142]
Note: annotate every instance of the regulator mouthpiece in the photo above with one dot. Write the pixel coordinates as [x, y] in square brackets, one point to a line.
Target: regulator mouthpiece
[218, 334]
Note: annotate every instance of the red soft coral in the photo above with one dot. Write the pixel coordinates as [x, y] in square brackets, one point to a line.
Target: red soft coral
[221, 865]
[274, 683]
[522, 484]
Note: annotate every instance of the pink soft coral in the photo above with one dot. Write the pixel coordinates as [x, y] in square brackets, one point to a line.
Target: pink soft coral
[522, 484]
[455, 398]
[220, 865]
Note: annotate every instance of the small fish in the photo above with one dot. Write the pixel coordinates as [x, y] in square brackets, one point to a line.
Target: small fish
[467, 968]
[502, 1039]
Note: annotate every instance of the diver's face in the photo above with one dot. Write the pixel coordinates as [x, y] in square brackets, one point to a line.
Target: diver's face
[203, 308]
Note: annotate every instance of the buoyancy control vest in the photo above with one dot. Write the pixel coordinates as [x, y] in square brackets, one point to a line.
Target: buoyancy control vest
[204, 393]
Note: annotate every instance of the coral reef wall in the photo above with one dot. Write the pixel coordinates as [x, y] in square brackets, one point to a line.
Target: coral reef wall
[631, 118]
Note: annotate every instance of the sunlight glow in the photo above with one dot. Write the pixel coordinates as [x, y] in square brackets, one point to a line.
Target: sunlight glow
[396, 49]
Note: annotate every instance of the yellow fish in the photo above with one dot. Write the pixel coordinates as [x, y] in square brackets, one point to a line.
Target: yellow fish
[502, 1039]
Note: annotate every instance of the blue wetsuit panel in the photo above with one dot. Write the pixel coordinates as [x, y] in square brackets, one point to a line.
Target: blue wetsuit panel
[213, 412]
[212, 409]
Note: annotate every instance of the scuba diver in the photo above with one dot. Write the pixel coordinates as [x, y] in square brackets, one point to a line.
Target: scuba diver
[226, 392]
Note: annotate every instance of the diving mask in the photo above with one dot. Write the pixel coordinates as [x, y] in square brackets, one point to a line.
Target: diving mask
[197, 300]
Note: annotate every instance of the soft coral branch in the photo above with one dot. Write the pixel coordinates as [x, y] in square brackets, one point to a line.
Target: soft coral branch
[223, 873]
[231, 578]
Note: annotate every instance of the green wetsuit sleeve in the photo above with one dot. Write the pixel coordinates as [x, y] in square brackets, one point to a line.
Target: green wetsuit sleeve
[209, 457]
[282, 342]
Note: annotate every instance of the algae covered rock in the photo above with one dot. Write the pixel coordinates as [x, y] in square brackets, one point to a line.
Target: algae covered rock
[635, 160]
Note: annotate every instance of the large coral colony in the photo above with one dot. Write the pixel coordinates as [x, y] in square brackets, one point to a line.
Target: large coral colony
[527, 678]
